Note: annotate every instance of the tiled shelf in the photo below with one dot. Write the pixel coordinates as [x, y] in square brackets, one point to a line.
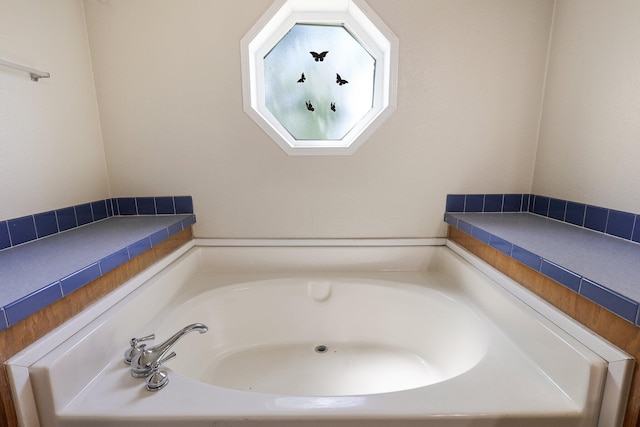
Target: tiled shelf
[588, 249]
[51, 254]
[17, 231]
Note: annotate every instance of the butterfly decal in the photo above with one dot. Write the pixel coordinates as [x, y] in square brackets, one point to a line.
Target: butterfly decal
[309, 106]
[340, 80]
[333, 106]
[302, 78]
[319, 57]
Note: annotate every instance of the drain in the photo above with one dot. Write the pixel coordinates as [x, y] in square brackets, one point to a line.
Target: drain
[321, 349]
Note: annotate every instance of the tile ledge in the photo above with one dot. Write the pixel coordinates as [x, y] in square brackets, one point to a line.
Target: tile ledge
[598, 266]
[38, 273]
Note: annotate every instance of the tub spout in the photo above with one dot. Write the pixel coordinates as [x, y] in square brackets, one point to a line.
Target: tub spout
[142, 363]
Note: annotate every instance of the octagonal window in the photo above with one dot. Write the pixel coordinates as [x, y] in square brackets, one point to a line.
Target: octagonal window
[319, 81]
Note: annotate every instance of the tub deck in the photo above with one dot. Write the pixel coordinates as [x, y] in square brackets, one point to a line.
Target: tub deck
[532, 374]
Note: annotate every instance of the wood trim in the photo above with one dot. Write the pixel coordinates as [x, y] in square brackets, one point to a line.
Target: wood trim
[613, 328]
[26, 332]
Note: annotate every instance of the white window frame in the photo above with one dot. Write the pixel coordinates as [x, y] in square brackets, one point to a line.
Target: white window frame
[362, 22]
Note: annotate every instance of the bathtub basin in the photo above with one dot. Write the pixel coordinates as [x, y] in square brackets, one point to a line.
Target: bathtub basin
[338, 336]
[328, 337]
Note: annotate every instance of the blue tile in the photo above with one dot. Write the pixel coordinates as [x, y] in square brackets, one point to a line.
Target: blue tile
[164, 205]
[455, 203]
[493, 203]
[127, 206]
[184, 204]
[481, 235]
[46, 224]
[139, 247]
[610, 300]
[146, 205]
[557, 209]
[465, 227]
[66, 218]
[187, 222]
[540, 205]
[501, 245]
[114, 260]
[449, 219]
[596, 218]
[22, 230]
[174, 228]
[5, 241]
[575, 213]
[474, 203]
[80, 278]
[99, 210]
[635, 237]
[26, 306]
[159, 236]
[527, 202]
[620, 224]
[529, 259]
[83, 214]
[512, 203]
[3, 320]
[560, 275]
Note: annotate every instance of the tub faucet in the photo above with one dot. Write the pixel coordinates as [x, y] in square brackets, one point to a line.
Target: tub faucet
[142, 363]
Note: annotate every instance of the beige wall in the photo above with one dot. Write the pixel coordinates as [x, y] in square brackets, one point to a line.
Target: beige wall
[51, 151]
[168, 80]
[589, 148]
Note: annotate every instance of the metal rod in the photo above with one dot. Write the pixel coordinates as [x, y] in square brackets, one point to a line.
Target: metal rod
[33, 73]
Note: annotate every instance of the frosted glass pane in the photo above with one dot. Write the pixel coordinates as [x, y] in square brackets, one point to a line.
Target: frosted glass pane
[319, 82]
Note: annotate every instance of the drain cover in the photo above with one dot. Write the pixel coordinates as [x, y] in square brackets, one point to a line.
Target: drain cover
[321, 349]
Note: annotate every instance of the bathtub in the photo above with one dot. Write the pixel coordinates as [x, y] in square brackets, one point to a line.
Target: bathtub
[390, 333]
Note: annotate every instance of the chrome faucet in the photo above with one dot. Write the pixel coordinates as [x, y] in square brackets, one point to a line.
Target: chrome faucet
[142, 364]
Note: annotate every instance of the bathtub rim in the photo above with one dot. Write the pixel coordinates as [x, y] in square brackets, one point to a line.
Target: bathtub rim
[18, 366]
[619, 363]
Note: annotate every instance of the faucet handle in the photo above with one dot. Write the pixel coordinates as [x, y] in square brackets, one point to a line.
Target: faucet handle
[135, 348]
[147, 338]
[158, 379]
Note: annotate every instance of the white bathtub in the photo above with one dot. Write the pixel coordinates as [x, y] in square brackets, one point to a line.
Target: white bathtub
[352, 335]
